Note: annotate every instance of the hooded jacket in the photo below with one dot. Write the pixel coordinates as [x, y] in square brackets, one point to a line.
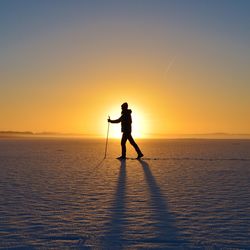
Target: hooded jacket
[125, 120]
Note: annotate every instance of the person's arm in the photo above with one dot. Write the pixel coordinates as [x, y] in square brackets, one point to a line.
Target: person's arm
[115, 121]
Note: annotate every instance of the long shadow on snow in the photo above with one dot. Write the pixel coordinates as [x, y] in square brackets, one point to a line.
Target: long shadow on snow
[113, 238]
[166, 232]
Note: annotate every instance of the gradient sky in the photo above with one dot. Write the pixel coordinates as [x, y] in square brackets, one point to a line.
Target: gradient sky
[182, 65]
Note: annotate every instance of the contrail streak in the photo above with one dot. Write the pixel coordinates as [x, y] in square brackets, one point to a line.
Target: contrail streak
[170, 65]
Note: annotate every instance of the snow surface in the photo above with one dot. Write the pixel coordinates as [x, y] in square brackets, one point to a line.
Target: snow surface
[185, 194]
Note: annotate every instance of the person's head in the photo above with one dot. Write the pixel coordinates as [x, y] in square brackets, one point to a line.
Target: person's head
[124, 106]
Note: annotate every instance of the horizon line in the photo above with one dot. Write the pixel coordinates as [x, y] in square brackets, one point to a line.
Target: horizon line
[150, 136]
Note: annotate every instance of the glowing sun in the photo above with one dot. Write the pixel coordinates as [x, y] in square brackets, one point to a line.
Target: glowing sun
[139, 123]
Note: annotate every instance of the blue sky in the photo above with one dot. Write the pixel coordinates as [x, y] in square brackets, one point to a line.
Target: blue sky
[207, 44]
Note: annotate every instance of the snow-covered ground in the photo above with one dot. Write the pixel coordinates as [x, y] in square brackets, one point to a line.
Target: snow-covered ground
[185, 194]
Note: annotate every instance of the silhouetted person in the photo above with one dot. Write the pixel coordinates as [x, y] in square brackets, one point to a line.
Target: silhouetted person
[126, 121]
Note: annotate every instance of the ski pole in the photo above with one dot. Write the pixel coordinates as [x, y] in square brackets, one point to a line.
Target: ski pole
[106, 146]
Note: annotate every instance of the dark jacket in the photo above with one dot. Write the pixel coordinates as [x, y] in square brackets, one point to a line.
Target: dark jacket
[125, 120]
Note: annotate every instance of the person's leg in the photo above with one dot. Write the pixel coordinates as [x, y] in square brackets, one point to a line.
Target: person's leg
[123, 144]
[132, 142]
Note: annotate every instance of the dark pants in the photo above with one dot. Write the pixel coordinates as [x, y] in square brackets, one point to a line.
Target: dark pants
[125, 137]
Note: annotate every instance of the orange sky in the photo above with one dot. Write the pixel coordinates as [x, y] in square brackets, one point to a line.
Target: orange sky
[177, 75]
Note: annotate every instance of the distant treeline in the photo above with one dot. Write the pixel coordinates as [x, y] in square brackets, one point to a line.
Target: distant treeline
[16, 133]
[20, 133]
